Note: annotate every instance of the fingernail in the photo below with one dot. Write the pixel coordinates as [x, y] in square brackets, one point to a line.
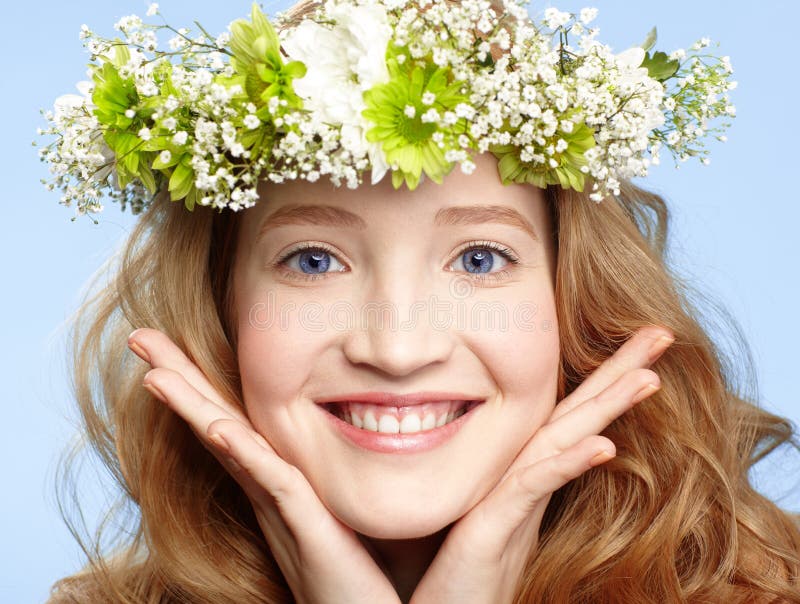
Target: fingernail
[601, 457]
[645, 392]
[155, 391]
[135, 347]
[220, 442]
[659, 346]
[223, 446]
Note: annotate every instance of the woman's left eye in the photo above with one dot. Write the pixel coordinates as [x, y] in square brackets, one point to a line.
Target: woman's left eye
[478, 259]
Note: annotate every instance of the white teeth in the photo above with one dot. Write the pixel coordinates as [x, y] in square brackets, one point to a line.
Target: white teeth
[410, 423]
[388, 424]
[400, 420]
[370, 423]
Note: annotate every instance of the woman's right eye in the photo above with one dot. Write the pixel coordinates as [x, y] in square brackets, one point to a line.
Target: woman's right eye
[309, 261]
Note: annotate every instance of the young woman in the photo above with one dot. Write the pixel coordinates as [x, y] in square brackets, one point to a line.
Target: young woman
[475, 385]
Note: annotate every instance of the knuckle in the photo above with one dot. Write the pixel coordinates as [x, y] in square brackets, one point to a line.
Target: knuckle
[546, 442]
[290, 484]
[561, 468]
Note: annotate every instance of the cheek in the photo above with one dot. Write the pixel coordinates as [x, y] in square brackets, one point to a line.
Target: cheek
[520, 345]
[522, 358]
[276, 353]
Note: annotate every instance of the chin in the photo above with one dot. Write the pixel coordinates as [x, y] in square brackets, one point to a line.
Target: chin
[405, 528]
[393, 518]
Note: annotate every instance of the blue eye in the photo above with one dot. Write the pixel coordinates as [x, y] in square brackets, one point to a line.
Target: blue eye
[311, 260]
[479, 258]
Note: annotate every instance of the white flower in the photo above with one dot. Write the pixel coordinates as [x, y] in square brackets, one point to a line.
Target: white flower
[342, 62]
[66, 104]
[555, 18]
[251, 121]
[145, 134]
[152, 9]
[588, 15]
[180, 138]
[631, 59]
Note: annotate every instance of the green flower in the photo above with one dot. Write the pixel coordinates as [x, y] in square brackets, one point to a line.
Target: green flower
[569, 161]
[113, 95]
[408, 139]
[116, 100]
[258, 63]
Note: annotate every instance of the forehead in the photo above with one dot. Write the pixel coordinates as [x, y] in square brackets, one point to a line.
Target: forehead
[477, 198]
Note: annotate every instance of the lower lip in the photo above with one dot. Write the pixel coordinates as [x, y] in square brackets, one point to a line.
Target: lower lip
[399, 443]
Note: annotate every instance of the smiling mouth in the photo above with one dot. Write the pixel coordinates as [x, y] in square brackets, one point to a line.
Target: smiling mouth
[410, 419]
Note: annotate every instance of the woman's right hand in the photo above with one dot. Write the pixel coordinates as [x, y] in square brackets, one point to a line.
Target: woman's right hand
[321, 558]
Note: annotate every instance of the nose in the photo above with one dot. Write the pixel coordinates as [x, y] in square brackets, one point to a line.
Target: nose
[395, 331]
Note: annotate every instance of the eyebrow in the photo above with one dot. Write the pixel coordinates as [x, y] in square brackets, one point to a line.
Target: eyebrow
[484, 214]
[325, 215]
[317, 215]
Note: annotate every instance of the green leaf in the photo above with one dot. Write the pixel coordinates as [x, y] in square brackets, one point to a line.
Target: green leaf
[659, 66]
[147, 177]
[181, 181]
[650, 40]
[191, 199]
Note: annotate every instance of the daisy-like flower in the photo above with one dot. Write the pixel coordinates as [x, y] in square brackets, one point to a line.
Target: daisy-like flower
[561, 162]
[342, 62]
[414, 141]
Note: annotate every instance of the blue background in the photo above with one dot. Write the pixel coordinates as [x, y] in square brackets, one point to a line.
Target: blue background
[733, 235]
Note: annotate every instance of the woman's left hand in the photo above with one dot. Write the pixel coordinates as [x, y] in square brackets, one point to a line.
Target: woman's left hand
[484, 554]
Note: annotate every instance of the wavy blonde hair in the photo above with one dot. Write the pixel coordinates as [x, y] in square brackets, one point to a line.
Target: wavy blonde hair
[673, 518]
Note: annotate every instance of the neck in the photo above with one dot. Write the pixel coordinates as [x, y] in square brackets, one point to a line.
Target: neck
[404, 561]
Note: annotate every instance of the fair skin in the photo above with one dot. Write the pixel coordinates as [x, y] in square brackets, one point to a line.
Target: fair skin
[450, 524]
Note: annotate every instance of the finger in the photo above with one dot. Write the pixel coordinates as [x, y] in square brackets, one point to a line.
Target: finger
[262, 472]
[641, 350]
[256, 467]
[172, 388]
[156, 348]
[507, 507]
[592, 416]
[304, 537]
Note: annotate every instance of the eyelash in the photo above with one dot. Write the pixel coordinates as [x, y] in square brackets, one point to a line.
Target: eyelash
[499, 275]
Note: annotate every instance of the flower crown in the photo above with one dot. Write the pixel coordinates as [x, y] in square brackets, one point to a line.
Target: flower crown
[401, 86]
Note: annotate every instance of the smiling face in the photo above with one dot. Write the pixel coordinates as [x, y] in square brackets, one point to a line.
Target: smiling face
[447, 288]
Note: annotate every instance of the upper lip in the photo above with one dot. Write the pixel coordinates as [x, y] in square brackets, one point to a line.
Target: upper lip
[398, 400]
